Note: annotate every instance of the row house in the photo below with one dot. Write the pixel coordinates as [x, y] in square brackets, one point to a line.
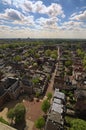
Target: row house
[55, 118]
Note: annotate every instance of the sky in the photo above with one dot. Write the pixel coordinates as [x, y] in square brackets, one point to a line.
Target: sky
[43, 19]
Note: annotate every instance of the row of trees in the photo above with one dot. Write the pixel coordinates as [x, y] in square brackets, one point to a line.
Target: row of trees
[40, 122]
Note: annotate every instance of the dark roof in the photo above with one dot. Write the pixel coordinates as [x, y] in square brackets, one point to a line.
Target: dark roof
[2, 91]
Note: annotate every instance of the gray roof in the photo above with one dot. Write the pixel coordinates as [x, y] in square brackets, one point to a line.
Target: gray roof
[59, 95]
[58, 101]
[57, 108]
[56, 117]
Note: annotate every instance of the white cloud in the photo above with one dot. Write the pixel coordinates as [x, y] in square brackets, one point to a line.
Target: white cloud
[79, 17]
[73, 14]
[48, 23]
[4, 27]
[72, 25]
[16, 17]
[7, 2]
[11, 14]
[52, 10]
[8, 32]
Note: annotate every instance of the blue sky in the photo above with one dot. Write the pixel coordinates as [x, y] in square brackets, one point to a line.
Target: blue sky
[43, 18]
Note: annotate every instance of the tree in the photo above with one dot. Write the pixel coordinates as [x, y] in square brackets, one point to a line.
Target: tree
[17, 58]
[48, 52]
[45, 106]
[37, 55]
[35, 80]
[84, 62]
[80, 53]
[54, 56]
[78, 124]
[55, 52]
[40, 123]
[19, 113]
[37, 96]
[11, 114]
[35, 65]
[49, 96]
[68, 63]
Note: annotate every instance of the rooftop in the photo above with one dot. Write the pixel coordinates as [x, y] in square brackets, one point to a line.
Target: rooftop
[59, 95]
[56, 117]
[58, 101]
[57, 108]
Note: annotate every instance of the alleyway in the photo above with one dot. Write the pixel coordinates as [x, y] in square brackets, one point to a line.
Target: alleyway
[50, 87]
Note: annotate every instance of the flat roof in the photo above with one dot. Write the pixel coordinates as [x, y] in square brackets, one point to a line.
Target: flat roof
[59, 95]
[56, 100]
[57, 108]
[56, 117]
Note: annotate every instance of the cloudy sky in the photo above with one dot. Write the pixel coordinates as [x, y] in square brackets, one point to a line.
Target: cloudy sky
[43, 18]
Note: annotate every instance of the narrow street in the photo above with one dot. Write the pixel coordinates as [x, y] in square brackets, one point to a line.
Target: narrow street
[50, 87]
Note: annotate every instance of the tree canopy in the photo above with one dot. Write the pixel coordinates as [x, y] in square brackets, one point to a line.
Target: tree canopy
[49, 96]
[17, 58]
[45, 106]
[17, 113]
[78, 124]
[68, 63]
[40, 123]
[80, 53]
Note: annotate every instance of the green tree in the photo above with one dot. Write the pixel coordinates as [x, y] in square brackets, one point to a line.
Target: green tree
[26, 54]
[40, 123]
[84, 62]
[45, 106]
[19, 113]
[31, 52]
[54, 56]
[17, 58]
[37, 94]
[35, 65]
[80, 53]
[37, 55]
[78, 124]
[48, 52]
[68, 63]
[49, 96]
[11, 114]
[35, 80]
[55, 52]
